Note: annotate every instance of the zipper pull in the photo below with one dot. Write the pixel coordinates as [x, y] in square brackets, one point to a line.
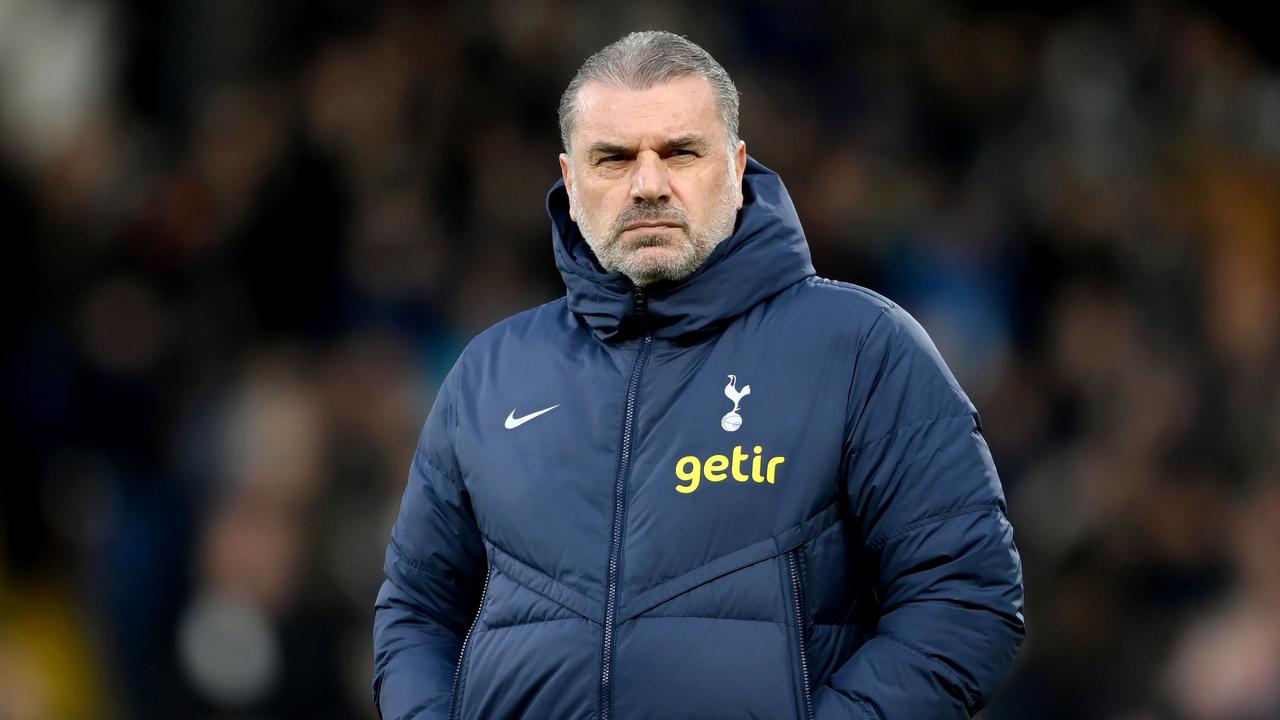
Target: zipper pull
[639, 305]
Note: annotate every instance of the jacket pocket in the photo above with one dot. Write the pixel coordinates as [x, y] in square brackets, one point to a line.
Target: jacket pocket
[459, 672]
[799, 629]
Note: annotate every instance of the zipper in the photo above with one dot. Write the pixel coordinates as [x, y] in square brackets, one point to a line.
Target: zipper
[619, 501]
[455, 706]
[797, 589]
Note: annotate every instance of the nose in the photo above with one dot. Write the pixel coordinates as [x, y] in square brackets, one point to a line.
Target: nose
[650, 179]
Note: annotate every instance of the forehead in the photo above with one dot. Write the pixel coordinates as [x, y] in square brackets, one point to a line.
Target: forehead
[676, 108]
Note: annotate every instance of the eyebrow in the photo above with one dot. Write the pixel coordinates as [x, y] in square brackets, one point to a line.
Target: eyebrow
[685, 141]
[680, 143]
[604, 148]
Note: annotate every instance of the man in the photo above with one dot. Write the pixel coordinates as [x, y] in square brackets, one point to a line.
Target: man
[706, 483]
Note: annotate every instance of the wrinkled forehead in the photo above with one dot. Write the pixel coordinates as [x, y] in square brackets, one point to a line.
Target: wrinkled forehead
[681, 107]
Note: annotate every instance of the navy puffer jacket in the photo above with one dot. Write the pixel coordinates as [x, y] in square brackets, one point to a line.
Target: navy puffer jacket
[751, 493]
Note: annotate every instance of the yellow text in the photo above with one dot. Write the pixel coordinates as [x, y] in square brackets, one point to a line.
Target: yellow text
[690, 469]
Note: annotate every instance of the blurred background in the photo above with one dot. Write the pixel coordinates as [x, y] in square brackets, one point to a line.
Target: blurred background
[247, 239]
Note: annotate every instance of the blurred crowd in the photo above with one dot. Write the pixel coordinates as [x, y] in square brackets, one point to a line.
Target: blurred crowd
[247, 239]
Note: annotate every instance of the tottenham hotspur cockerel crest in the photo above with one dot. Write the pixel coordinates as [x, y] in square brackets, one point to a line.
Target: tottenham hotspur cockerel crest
[732, 420]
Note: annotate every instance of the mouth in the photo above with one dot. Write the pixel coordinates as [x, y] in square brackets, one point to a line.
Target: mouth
[651, 224]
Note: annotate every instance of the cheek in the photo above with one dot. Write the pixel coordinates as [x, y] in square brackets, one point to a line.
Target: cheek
[703, 200]
[602, 205]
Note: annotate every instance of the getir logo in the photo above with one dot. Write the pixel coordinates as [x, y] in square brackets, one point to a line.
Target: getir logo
[691, 469]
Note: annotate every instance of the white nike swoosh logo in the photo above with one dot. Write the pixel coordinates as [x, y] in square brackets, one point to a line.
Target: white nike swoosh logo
[514, 422]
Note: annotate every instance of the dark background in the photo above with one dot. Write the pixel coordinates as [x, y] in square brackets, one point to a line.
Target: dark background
[245, 240]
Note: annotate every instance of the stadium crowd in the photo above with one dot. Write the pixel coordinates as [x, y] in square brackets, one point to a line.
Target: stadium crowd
[247, 240]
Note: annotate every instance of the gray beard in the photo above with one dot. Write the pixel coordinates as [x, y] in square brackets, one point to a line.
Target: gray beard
[614, 257]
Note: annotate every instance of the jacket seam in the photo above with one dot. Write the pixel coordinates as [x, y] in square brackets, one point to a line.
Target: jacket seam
[911, 426]
[452, 478]
[942, 667]
[452, 422]
[535, 591]
[880, 540]
[866, 337]
[492, 628]
[778, 554]
[853, 376]
[867, 711]
[886, 303]
[707, 617]
[413, 564]
[377, 689]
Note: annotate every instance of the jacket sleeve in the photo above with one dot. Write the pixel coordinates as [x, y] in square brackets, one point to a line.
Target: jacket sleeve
[931, 525]
[435, 567]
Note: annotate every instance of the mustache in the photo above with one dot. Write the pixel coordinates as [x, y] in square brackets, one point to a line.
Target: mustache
[650, 212]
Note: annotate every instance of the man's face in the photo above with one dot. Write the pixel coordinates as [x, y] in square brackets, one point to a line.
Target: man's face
[653, 183]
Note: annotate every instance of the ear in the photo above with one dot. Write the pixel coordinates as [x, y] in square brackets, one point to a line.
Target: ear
[566, 173]
[740, 160]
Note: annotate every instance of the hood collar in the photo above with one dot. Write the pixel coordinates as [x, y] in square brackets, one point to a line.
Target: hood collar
[766, 254]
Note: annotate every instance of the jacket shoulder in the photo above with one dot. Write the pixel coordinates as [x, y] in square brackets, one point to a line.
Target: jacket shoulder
[888, 340]
[540, 324]
[854, 297]
[847, 309]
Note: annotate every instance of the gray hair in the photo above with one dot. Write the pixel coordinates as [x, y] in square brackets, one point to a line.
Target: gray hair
[641, 60]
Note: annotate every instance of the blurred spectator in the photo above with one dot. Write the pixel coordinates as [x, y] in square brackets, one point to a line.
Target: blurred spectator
[1227, 664]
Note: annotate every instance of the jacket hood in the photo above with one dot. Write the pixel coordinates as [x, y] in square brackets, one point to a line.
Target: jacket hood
[766, 254]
